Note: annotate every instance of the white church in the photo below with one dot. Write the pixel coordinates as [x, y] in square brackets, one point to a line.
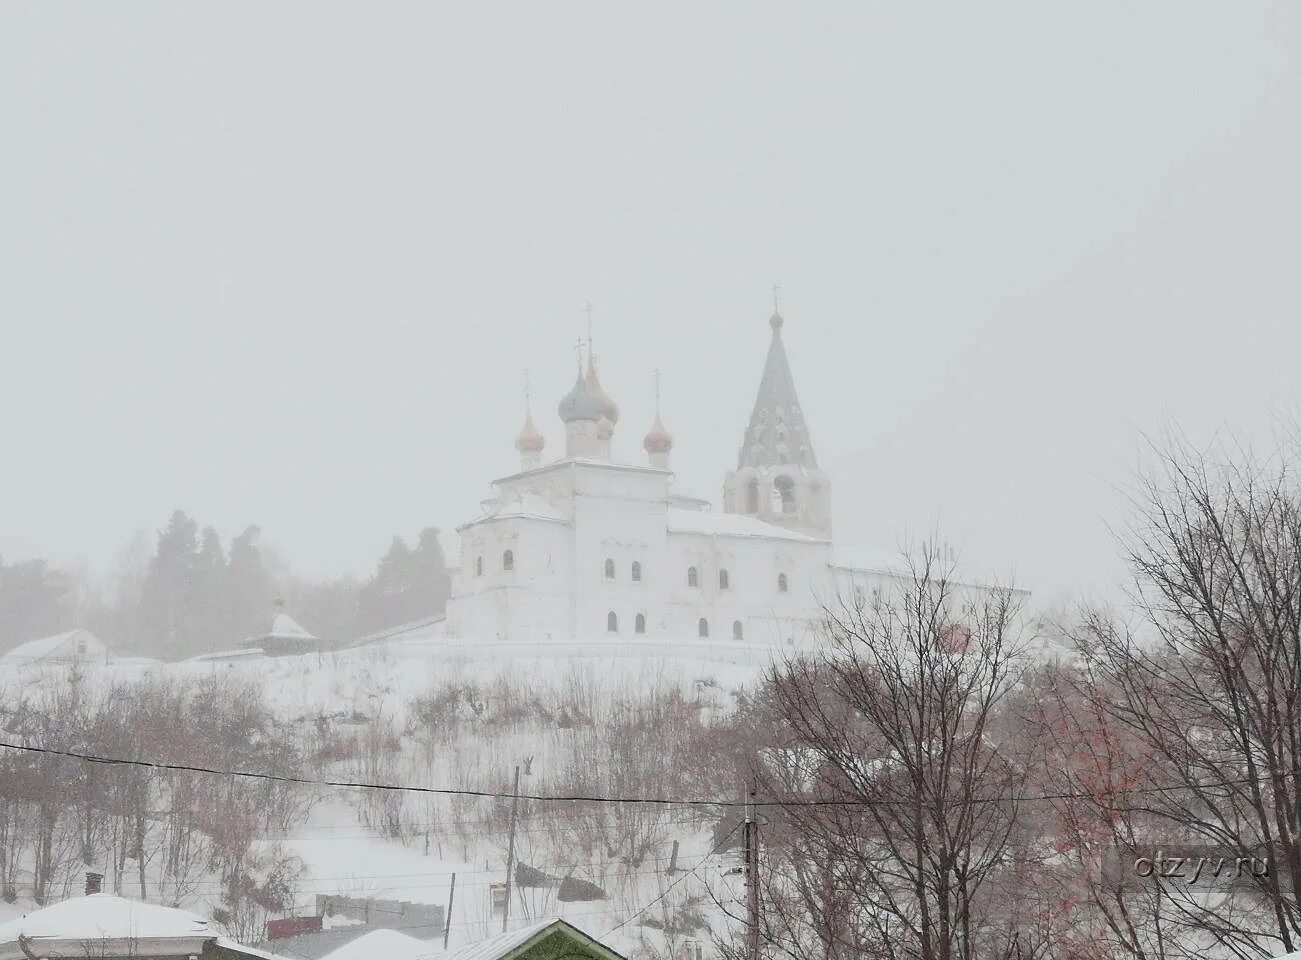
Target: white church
[585, 546]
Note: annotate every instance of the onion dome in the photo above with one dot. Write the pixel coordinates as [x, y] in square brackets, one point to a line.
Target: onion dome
[529, 440]
[608, 407]
[580, 403]
[658, 440]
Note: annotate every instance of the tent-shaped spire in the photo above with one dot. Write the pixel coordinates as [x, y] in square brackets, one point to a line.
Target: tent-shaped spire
[777, 432]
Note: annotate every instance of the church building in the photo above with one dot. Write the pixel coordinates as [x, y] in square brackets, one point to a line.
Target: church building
[585, 546]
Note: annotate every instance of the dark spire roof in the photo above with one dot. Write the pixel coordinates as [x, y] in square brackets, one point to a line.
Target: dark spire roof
[777, 432]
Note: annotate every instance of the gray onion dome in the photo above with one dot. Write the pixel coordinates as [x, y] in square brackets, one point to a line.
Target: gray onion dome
[580, 404]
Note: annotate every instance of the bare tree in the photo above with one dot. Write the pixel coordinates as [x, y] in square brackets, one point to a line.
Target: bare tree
[892, 729]
[1209, 682]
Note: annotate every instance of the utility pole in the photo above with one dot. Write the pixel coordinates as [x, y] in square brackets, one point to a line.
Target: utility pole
[751, 880]
[510, 850]
[447, 924]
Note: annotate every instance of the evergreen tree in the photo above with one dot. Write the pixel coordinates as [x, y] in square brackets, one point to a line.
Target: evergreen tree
[34, 602]
[250, 591]
[433, 584]
[211, 594]
[168, 617]
[408, 584]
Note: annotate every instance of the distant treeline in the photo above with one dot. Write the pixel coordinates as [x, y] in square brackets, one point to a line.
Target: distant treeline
[187, 593]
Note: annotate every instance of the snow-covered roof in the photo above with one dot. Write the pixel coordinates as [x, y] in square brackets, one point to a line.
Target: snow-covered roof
[506, 943]
[895, 563]
[381, 945]
[48, 646]
[285, 627]
[501, 944]
[242, 653]
[423, 629]
[870, 559]
[244, 951]
[730, 525]
[102, 916]
[518, 505]
[285, 630]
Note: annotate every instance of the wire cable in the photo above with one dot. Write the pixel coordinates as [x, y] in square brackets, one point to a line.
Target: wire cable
[648, 801]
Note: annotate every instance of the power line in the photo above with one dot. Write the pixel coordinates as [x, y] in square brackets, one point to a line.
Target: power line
[646, 801]
[717, 848]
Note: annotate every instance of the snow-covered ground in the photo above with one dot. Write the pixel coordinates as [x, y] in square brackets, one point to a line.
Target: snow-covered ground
[376, 687]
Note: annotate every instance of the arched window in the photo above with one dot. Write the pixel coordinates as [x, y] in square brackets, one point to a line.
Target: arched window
[508, 560]
[478, 566]
[736, 629]
[692, 579]
[752, 497]
[612, 622]
[723, 581]
[636, 570]
[609, 569]
[639, 625]
[702, 628]
[781, 583]
[785, 488]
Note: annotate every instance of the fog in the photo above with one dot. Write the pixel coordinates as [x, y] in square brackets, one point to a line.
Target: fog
[287, 264]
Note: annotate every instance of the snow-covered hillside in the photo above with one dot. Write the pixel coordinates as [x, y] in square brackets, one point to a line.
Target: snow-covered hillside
[578, 719]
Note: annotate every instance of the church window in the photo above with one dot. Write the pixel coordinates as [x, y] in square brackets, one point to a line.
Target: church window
[723, 580]
[639, 625]
[612, 622]
[693, 579]
[702, 628]
[636, 570]
[785, 488]
[752, 497]
[508, 560]
[781, 583]
[736, 630]
[609, 569]
[478, 566]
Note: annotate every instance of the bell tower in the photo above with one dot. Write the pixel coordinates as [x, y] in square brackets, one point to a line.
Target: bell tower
[777, 478]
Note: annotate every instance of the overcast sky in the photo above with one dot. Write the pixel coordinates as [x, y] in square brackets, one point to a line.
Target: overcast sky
[287, 263]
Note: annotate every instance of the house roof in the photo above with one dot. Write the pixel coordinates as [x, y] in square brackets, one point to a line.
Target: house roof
[386, 944]
[45, 646]
[102, 916]
[513, 943]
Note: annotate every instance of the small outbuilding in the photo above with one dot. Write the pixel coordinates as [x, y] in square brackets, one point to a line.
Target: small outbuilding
[73, 646]
[286, 638]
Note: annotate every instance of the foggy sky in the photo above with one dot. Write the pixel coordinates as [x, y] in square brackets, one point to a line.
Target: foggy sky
[286, 263]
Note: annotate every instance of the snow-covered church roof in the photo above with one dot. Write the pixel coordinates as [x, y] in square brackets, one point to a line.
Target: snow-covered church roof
[777, 432]
[730, 525]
